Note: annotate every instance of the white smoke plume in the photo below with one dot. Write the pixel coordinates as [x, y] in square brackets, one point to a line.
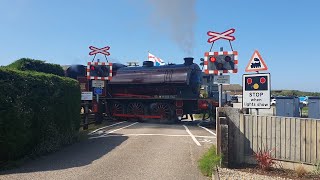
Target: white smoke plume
[178, 18]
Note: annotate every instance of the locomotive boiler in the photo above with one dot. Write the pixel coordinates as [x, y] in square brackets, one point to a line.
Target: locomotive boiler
[153, 92]
[179, 81]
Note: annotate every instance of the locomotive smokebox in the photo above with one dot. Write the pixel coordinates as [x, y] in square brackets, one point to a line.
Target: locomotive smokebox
[188, 61]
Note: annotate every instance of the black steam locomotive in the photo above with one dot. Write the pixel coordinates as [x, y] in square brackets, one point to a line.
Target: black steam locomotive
[164, 92]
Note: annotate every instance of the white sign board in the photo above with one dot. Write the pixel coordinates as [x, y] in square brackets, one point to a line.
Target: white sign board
[222, 79]
[256, 91]
[86, 96]
[98, 83]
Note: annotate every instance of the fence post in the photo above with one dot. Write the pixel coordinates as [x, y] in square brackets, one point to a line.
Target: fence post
[225, 144]
[241, 138]
[85, 117]
[218, 133]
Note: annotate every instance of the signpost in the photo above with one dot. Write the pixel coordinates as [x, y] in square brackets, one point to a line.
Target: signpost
[221, 62]
[224, 35]
[256, 87]
[100, 73]
[256, 63]
[222, 79]
[98, 83]
[86, 96]
[96, 50]
[97, 92]
[256, 91]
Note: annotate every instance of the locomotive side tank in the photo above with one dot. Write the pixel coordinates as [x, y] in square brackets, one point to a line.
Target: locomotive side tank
[182, 80]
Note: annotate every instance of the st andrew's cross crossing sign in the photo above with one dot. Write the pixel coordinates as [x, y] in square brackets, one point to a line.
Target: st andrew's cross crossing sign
[95, 50]
[224, 35]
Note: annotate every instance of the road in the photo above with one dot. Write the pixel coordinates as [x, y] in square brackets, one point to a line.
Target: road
[125, 150]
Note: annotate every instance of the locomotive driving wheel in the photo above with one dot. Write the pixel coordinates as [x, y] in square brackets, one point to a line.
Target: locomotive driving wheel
[117, 108]
[136, 108]
[164, 110]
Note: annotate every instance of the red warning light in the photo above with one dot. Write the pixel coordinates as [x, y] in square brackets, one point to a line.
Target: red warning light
[92, 68]
[249, 81]
[263, 80]
[213, 59]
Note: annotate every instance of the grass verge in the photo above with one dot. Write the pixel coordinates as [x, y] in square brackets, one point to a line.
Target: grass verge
[208, 161]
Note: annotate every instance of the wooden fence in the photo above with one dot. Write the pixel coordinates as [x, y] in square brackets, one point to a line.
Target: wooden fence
[290, 139]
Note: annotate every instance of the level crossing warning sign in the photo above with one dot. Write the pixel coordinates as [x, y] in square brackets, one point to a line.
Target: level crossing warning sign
[256, 91]
[256, 63]
[224, 35]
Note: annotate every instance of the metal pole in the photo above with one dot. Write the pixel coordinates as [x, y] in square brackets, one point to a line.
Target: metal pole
[220, 95]
[257, 108]
[94, 57]
[211, 46]
[220, 87]
[85, 120]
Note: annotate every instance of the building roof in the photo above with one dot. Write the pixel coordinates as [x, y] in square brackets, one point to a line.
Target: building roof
[232, 87]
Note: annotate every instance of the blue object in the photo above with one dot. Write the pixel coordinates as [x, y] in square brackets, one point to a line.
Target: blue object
[303, 98]
[314, 107]
[97, 91]
[288, 106]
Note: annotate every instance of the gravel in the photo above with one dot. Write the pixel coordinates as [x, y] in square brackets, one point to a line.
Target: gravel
[228, 174]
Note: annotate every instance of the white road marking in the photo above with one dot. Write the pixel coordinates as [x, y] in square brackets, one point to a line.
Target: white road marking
[208, 130]
[206, 141]
[167, 135]
[192, 136]
[113, 131]
[105, 127]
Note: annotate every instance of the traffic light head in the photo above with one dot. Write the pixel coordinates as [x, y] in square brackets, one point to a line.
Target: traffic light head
[256, 82]
[221, 62]
[99, 70]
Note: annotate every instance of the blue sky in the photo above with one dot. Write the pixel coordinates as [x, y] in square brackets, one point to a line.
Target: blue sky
[286, 33]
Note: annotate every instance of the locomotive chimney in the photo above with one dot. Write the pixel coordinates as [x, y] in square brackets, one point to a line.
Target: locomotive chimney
[188, 61]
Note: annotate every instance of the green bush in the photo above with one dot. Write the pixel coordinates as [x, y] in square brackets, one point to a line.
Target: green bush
[209, 161]
[26, 64]
[38, 113]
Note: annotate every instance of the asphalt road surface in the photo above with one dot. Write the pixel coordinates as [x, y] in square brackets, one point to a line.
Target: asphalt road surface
[126, 150]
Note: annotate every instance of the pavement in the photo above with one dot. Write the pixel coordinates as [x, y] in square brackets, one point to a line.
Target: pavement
[126, 150]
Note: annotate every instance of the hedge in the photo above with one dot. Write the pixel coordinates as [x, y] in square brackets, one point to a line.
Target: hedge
[26, 64]
[39, 113]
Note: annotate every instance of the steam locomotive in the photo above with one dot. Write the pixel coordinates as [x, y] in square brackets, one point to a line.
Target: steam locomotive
[166, 93]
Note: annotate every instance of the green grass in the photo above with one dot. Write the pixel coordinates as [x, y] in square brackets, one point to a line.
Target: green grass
[209, 161]
[305, 111]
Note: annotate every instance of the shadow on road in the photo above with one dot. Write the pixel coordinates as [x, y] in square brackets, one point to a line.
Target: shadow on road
[76, 155]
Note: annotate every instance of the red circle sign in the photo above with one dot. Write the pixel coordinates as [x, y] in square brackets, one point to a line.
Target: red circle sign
[249, 81]
[263, 80]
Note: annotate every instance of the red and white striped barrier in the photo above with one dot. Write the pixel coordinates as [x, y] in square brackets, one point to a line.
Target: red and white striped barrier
[96, 77]
[206, 62]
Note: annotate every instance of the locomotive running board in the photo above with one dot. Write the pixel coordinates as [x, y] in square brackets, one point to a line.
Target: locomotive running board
[137, 115]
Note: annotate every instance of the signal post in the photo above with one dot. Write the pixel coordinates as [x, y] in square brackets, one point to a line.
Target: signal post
[256, 87]
[99, 73]
[221, 62]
